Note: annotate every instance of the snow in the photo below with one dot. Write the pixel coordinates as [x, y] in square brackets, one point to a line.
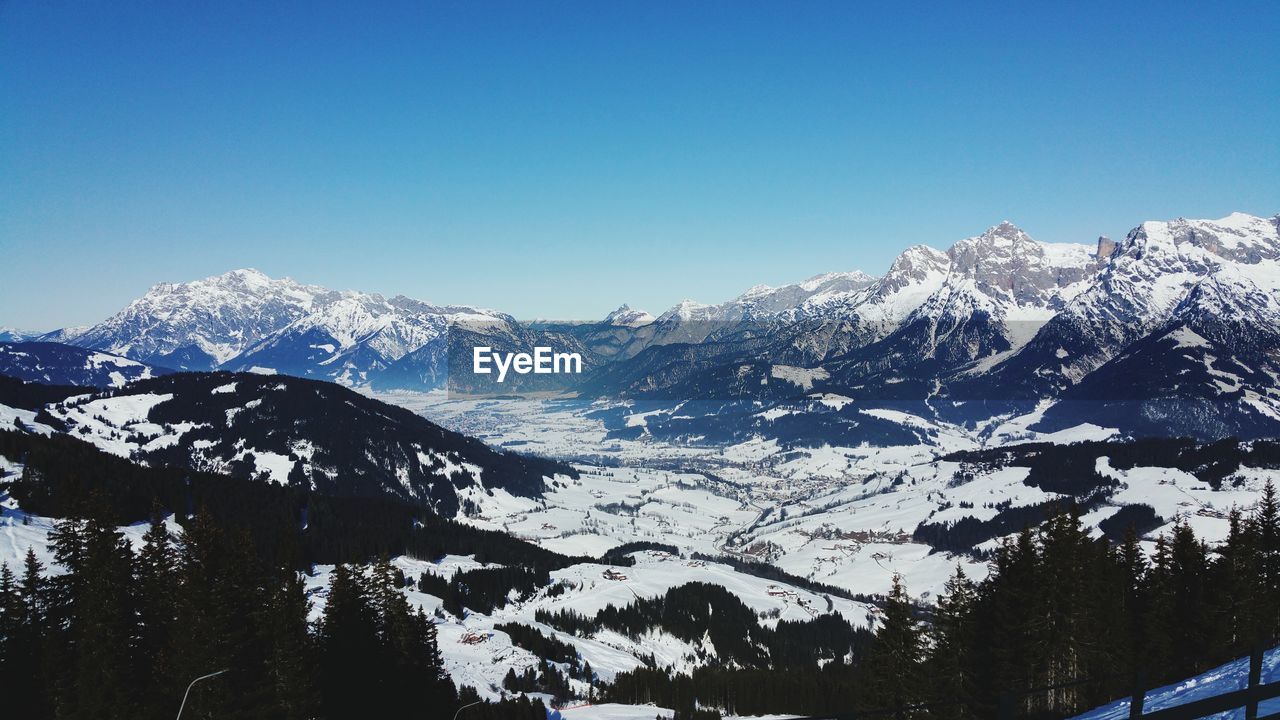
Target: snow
[834, 514]
[611, 711]
[638, 419]
[483, 663]
[275, 465]
[1220, 680]
[832, 400]
[1187, 338]
[802, 378]
[11, 417]
[838, 515]
[107, 422]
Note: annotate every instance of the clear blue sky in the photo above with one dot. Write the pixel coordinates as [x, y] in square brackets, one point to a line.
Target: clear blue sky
[558, 159]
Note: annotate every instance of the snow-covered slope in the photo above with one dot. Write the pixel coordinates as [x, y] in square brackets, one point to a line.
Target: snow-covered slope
[846, 515]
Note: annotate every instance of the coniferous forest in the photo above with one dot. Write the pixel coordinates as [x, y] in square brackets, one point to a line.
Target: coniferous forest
[120, 634]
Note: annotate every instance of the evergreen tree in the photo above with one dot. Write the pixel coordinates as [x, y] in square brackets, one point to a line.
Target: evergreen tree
[28, 646]
[1008, 617]
[1130, 613]
[31, 588]
[351, 653]
[891, 671]
[1066, 644]
[292, 651]
[1267, 528]
[12, 620]
[1181, 606]
[156, 582]
[951, 663]
[95, 614]
[1238, 577]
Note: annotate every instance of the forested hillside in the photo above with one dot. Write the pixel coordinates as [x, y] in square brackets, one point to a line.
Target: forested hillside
[1059, 610]
[303, 433]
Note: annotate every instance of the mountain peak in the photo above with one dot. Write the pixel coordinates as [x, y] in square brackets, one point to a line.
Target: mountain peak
[624, 316]
[1238, 237]
[1005, 231]
[249, 275]
[8, 334]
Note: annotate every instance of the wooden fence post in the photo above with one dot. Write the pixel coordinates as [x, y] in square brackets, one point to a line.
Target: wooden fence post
[1139, 698]
[1255, 679]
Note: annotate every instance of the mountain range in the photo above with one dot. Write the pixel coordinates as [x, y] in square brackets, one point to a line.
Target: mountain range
[1172, 329]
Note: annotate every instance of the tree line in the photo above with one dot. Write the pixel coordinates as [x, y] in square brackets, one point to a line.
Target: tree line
[287, 525]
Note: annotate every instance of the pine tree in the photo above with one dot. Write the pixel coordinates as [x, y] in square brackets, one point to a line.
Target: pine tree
[223, 603]
[12, 619]
[96, 620]
[1130, 614]
[1065, 624]
[292, 651]
[951, 666]
[351, 653]
[1237, 576]
[1009, 616]
[1267, 524]
[1181, 610]
[28, 646]
[31, 588]
[156, 581]
[892, 668]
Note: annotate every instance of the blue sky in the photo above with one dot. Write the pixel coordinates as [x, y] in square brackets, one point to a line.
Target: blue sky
[557, 159]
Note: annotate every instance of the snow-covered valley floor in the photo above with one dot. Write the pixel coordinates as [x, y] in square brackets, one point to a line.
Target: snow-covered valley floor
[843, 516]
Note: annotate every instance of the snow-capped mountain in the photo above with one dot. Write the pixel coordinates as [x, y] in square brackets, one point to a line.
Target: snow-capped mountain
[244, 320]
[763, 300]
[202, 324]
[1127, 333]
[995, 326]
[353, 339]
[987, 294]
[56, 364]
[1147, 279]
[11, 335]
